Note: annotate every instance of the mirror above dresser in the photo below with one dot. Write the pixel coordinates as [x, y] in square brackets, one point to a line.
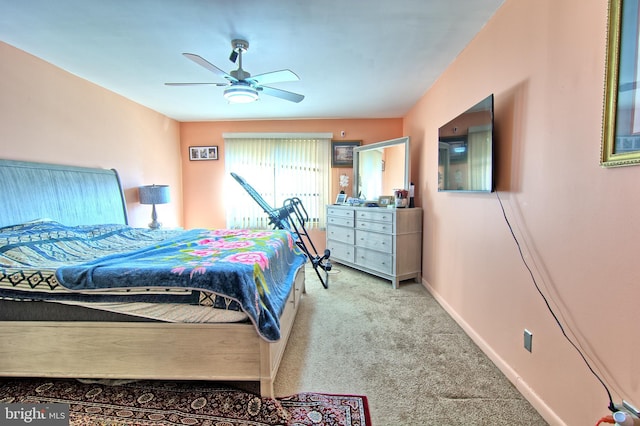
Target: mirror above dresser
[380, 168]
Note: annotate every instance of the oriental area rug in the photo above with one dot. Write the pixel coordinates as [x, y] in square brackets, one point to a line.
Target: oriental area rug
[147, 403]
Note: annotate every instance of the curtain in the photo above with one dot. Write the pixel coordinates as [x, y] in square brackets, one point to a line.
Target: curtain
[479, 146]
[278, 167]
[370, 165]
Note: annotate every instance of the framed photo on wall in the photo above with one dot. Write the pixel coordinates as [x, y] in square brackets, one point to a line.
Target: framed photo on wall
[342, 153]
[199, 153]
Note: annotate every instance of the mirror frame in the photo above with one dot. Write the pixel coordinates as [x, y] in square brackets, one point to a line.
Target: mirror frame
[398, 141]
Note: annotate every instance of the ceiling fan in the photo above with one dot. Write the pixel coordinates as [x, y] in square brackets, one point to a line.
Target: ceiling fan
[241, 86]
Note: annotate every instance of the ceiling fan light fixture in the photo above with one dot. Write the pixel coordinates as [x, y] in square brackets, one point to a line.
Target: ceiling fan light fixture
[241, 94]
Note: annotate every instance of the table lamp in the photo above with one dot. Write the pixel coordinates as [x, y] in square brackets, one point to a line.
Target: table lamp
[154, 194]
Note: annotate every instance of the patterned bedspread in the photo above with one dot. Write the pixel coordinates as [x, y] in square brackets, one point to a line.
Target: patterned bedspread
[253, 270]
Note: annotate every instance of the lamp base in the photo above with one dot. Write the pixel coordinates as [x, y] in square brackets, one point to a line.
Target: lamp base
[154, 219]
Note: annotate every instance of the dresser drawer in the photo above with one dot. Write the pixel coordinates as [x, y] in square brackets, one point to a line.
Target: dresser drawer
[339, 220]
[380, 242]
[340, 233]
[341, 251]
[377, 215]
[333, 211]
[386, 227]
[382, 262]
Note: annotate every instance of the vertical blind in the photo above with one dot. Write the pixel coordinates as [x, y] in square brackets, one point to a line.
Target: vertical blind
[479, 145]
[278, 167]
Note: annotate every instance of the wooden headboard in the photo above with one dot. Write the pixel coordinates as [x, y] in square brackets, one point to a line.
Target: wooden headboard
[67, 194]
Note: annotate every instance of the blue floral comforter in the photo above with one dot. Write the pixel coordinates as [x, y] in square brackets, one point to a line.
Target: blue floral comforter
[254, 268]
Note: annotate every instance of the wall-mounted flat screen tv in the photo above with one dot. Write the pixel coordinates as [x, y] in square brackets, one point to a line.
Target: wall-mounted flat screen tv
[465, 150]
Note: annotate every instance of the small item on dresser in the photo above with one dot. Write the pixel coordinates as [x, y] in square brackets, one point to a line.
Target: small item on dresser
[401, 197]
[412, 193]
[385, 201]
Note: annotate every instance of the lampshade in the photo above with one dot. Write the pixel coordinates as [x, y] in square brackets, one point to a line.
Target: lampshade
[154, 194]
[241, 94]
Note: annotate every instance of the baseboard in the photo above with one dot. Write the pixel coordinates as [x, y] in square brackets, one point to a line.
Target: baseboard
[529, 394]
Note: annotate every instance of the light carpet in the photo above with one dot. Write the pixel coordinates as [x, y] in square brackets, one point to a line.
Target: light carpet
[401, 349]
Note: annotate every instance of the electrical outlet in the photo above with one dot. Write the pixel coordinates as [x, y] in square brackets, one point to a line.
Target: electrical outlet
[528, 339]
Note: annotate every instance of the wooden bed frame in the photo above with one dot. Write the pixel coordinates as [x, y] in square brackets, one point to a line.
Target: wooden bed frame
[120, 350]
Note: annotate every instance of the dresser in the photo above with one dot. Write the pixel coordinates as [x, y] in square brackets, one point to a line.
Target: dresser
[381, 241]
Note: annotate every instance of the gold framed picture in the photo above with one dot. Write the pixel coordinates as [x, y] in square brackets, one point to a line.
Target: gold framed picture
[620, 144]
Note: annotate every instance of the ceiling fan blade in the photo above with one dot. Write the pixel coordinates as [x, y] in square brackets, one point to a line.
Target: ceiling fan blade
[208, 65]
[282, 94]
[196, 84]
[274, 77]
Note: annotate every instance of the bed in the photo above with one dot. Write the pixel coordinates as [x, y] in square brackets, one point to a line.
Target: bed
[114, 316]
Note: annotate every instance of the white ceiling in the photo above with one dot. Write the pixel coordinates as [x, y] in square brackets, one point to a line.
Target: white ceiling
[355, 58]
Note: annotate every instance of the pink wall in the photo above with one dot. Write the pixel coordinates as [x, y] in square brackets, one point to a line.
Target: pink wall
[49, 115]
[577, 223]
[544, 61]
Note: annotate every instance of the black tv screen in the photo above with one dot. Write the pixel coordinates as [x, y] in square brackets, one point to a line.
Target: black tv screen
[465, 150]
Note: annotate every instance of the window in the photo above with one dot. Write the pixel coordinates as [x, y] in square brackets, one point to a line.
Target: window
[278, 167]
